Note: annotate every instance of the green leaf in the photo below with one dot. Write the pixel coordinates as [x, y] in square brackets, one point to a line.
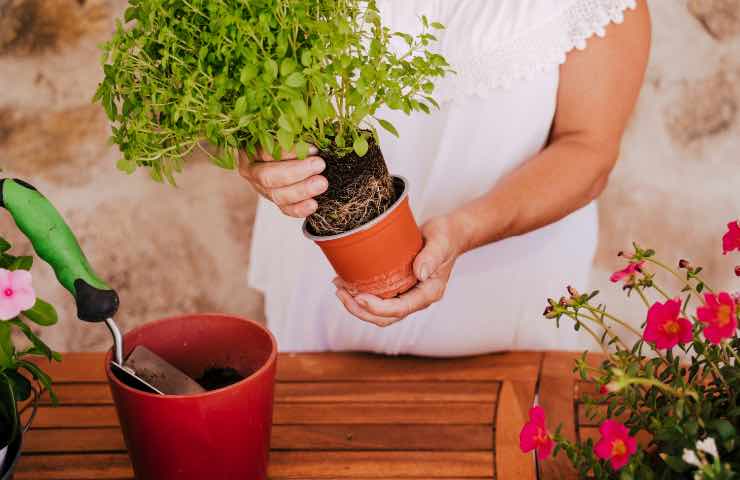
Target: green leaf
[295, 80]
[42, 313]
[271, 69]
[287, 66]
[306, 58]
[41, 376]
[21, 263]
[247, 74]
[4, 245]
[33, 338]
[301, 149]
[675, 463]
[388, 126]
[724, 428]
[360, 146]
[438, 26]
[126, 166]
[132, 13]
[285, 139]
[20, 384]
[284, 123]
[7, 350]
[240, 106]
[299, 107]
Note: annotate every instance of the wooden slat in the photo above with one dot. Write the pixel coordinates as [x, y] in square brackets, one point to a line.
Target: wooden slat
[74, 467]
[383, 437]
[289, 437]
[283, 465]
[309, 414]
[330, 392]
[75, 440]
[454, 392]
[557, 386]
[428, 465]
[515, 400]
[337, 367]
[329, 367]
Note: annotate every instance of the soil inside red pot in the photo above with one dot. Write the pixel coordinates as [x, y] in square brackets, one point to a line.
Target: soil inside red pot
[214, 378]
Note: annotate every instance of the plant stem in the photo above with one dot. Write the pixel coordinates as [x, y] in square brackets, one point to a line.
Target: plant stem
[642, 296]
[616, 319]
[590, 331]
[662, 386]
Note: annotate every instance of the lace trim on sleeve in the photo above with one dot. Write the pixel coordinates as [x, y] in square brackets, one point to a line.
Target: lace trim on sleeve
[537, 49]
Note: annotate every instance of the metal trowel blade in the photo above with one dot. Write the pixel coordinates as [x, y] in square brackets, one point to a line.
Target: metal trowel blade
[127, 376]
[158, 374]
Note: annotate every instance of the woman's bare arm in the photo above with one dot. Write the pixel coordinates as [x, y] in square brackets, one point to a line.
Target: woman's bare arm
[598, 90]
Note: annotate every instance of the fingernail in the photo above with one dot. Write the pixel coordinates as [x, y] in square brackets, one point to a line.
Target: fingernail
[362, 302]
[423, 273]
[312, 150]
[312, 206]
[318, 185]
[318, 165]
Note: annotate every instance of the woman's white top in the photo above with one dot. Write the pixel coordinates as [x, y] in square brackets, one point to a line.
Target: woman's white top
[496, 113]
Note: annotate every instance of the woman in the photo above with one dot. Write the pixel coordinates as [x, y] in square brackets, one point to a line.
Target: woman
[502, 179]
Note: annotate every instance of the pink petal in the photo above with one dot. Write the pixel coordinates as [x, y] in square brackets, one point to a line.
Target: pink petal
[672, 308]
[617, 276]
[24, 299]
[527, 436]
[603, 448]
[726, 299]
[545, 449]
[537, 415]
[618, 462]
[686, 334]
[631, 445]
[20, 279]
[8, 309]
[4, 278]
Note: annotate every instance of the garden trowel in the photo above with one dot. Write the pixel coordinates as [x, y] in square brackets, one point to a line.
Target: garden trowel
[55, 243]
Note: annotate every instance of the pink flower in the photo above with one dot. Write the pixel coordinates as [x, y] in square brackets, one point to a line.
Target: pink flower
[534, 434]
[665, 328]
[16, 293]
[731, 239]
[615, 444]
[718, 314]
[628, 272]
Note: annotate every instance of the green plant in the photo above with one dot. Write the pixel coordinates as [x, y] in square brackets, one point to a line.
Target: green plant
[684, 405]
[14, 360]
[275, 74]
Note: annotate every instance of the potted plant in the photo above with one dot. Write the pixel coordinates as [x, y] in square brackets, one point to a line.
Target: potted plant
[280, 75]
[667, 401]
[18, 306]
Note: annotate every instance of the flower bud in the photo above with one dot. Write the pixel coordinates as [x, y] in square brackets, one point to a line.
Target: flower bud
[548, 310]
[573, 292]
[737, 271]
[683, 263]
[613, 387]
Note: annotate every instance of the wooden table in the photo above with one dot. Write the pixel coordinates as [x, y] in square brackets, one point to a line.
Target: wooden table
[342, 416]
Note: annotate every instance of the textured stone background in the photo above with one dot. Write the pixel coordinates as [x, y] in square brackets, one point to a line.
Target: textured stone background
[178, 250]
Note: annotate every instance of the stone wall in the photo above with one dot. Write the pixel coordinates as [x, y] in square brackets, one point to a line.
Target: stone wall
[177, 250]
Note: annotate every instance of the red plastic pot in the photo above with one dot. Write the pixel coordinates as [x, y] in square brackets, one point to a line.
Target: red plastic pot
[223, 434]
[377, 257]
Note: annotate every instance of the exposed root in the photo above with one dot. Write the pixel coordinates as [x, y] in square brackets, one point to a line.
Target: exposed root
[365, 199]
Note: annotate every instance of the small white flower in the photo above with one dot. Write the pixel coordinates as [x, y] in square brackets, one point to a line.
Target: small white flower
[708, 446]
[689, 456]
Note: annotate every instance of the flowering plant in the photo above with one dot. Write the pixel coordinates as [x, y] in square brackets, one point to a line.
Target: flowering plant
[19, 304]
[675, 387]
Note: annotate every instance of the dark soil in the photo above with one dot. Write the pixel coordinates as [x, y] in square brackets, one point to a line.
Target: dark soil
[219, 377]
[360, 189]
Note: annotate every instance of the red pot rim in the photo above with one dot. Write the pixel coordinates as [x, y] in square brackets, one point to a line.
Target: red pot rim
[259, 372]
[366, 226]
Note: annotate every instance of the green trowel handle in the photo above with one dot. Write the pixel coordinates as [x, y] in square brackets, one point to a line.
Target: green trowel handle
[54, 242]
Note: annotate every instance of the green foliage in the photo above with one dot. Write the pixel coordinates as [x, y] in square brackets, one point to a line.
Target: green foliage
[275, 74]
[676, 399]
[14, 385]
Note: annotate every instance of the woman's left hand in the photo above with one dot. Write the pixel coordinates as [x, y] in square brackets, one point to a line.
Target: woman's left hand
[432, 266]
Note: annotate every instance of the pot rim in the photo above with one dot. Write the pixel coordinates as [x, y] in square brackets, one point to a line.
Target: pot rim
[258, 373]
[366, 226]
[8, 465]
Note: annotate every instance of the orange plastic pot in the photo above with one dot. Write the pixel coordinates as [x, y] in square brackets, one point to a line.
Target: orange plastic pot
[222, 434]
[377, 257]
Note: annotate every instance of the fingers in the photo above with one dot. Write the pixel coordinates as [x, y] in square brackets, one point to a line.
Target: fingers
[269, 175]
[301, 209]
[432, 256]
[298, 192]
[418, 298]
[355, 309]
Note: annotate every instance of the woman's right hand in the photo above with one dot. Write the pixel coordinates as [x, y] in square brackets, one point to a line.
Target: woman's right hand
[289, 183]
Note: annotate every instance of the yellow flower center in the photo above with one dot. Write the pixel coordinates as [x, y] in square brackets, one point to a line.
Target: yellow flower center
[723, 315]
[618, 448]
[671, 327]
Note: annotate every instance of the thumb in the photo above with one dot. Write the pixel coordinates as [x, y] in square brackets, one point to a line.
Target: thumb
[432, 255]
